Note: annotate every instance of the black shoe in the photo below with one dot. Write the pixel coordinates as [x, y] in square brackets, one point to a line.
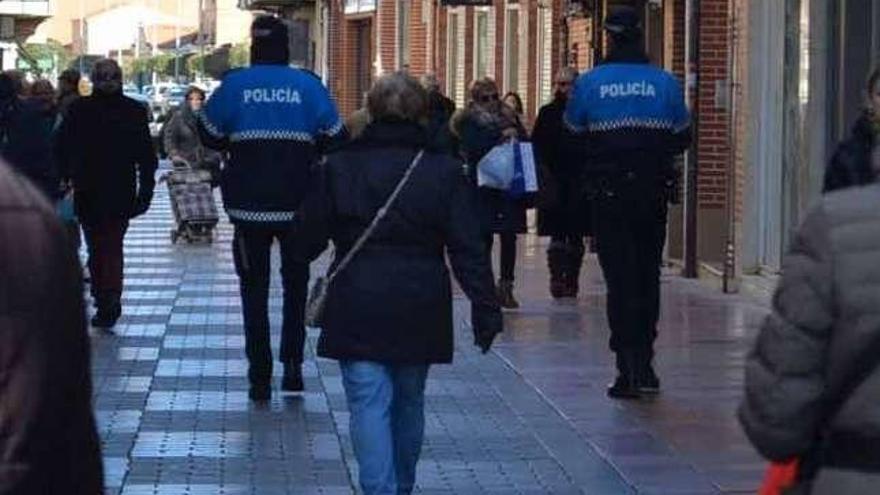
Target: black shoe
[624, 387]
[105, 318]
[558, 288]
[260, 393]
[293, 379]
[505, 295]
[103, 321]
[648, 382]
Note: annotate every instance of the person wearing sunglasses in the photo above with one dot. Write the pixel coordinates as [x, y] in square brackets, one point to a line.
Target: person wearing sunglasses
[564, 212]
[484, 124]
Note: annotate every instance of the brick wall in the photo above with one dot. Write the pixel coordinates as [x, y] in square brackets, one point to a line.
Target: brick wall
[714, 129]
[418, 41]
[387, 20]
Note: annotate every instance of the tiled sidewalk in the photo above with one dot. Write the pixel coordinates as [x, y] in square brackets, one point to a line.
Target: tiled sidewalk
[532, 418]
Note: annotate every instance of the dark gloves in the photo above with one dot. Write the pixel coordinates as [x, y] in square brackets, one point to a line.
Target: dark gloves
[487, 324]
[142, 204]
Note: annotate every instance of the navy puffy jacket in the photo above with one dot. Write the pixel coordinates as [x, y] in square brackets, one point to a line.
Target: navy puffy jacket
[273, 120]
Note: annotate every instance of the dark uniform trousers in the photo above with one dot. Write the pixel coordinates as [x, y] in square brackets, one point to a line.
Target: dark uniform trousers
[630, 229]
[252, 246]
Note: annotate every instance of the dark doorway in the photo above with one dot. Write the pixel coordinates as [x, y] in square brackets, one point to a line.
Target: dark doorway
[363, 70]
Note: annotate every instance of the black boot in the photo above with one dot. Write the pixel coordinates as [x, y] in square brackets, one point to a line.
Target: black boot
[293, 379]
[625, 386]
[556, 264]
[109, 309]
[505, 295]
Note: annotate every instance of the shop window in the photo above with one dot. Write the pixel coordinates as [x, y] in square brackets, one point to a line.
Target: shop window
[512, 49]
[482, 44]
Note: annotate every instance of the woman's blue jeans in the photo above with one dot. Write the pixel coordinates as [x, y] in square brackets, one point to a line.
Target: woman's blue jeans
[387, 405]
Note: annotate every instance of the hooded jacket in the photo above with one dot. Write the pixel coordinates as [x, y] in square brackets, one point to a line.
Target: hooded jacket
[274, 121]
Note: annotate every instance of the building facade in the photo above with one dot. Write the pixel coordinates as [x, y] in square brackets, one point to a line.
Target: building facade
[18, 21]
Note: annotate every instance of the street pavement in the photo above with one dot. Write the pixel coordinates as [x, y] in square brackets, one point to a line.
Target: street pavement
[529, 418]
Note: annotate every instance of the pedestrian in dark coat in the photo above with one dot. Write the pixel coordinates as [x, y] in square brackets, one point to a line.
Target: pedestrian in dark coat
[564, 215]
[484, 124]
[108, 153]
[26, 138]
[440, 111]
[388, 315]
[48, 441]
[68, 90]
[810, 352]
[856, 161]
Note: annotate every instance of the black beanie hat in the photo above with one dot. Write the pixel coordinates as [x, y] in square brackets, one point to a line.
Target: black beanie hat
[623, 22]
[270, 43]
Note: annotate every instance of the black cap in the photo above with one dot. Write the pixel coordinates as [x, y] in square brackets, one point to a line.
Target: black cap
[270, 40]
[623, 21]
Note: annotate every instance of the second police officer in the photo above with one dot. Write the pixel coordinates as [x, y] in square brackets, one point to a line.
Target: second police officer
[273, 120]
[634, 117]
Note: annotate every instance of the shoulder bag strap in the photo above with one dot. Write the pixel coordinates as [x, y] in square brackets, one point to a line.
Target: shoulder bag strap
[368, 232]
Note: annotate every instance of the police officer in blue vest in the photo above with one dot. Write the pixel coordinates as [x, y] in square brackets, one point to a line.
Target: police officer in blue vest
[635, 121]
[274, 121]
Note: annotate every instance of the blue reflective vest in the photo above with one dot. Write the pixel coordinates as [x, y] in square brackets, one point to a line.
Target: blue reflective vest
[270, 118]
[628, 109]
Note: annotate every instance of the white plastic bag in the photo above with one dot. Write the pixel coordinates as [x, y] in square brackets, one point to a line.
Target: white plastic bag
[510, 166]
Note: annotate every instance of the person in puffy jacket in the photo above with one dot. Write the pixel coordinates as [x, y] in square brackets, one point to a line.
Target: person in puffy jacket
[810, 352]
[388, 315]
[48, 441]
[275, 121]
[856, 161]
[104, 147]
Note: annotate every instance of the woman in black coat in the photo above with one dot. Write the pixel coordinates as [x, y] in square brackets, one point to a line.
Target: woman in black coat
[856, 162]
[484, 124]
[388, 315]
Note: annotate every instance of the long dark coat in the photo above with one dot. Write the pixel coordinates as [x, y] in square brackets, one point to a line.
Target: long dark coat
[564, 209]
[48, 440]
[393, 304]
[104, 145]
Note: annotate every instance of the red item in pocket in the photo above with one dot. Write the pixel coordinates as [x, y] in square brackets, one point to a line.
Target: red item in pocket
[780, 476]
